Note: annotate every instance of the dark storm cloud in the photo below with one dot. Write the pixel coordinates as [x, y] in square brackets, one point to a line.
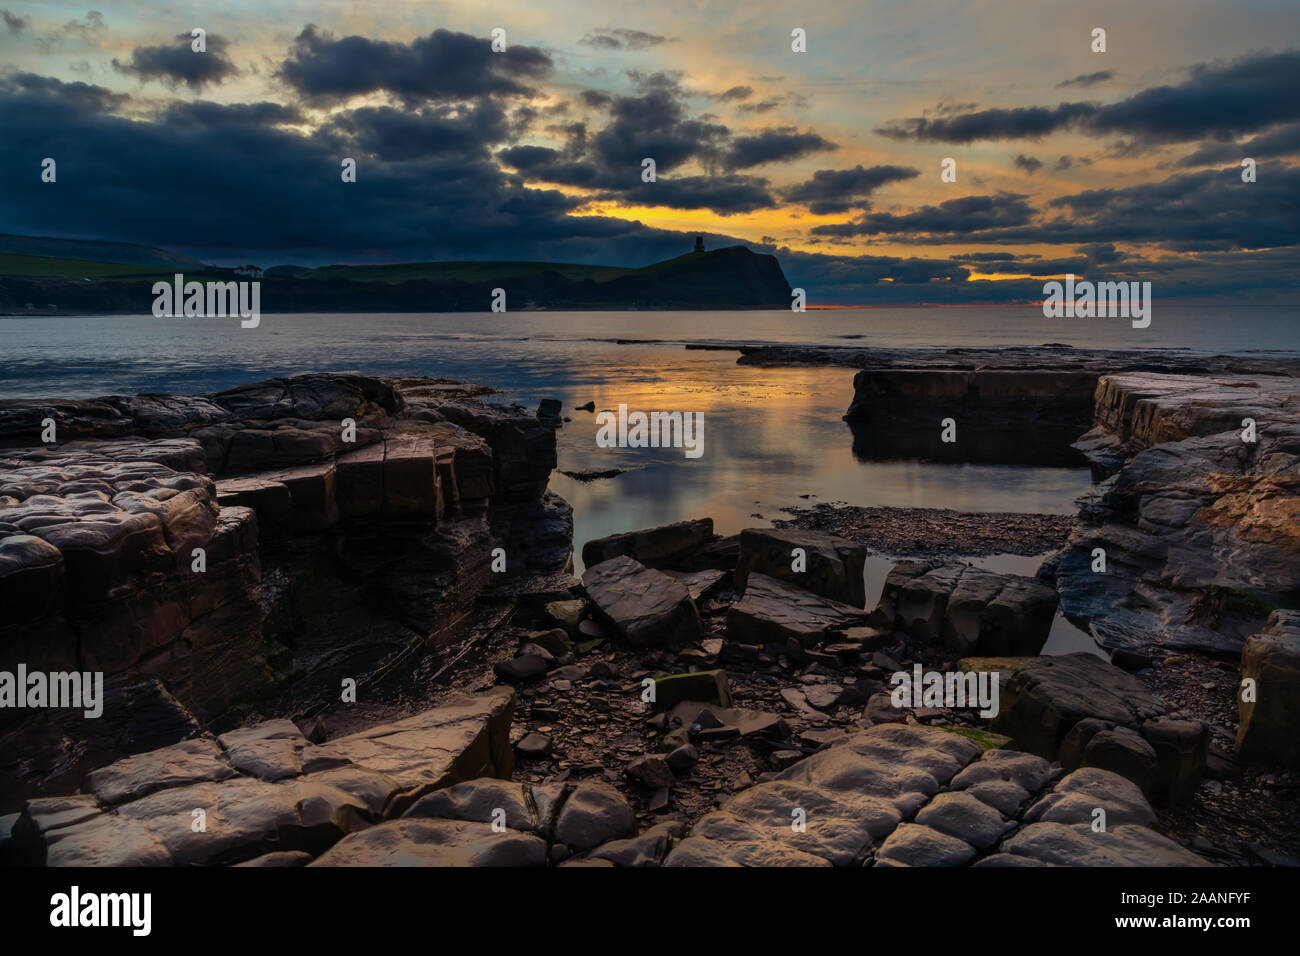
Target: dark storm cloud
[654, 123]
[176, 62]
[15, 23]
[985, 257]
[1207, 210]
[1029, 164]
[595, 99]
[620, 39]
[773, 146]
[831, 191]
[1283, 141]
[1031, 122]
[1217, 101]
[228, 183]
[441, 66]
[215, 115]
[725, 195]
[391, 134]
[954, 217]
[1210, 210]
[524, 158]
[31, 90]
[1087, 79]
[861, 279]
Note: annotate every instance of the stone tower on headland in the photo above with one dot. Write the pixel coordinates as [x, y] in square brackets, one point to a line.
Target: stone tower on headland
[699, 244]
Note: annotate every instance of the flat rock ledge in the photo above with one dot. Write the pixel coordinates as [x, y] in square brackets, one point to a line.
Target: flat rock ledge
[910, 796]
[264, 789]
[427, 791]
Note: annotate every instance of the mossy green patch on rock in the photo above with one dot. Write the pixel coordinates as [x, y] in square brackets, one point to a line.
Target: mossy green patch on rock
[985, 738]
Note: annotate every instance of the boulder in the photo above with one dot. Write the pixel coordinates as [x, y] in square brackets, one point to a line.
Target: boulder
[421, 842]
[969, 610]
[652, 547]
[1269, 727]
[1045, 697]
[594, 813]
[1182, 750]
[642, 605]
[831, 567]
[1123, 751]
[773, 612]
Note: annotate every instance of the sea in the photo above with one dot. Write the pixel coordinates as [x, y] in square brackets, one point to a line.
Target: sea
[773, 438]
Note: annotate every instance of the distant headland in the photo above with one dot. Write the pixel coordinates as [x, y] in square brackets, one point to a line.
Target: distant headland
[47, 276]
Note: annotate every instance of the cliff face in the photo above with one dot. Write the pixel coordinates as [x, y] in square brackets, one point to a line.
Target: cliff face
[731, 278]
[206, 551]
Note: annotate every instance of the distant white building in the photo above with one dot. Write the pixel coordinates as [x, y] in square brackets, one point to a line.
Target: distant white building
[253, 272]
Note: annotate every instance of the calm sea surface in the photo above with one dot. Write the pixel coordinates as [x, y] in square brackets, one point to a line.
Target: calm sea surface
[772, 437]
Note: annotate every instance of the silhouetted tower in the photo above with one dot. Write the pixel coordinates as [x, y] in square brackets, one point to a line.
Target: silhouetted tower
[699, 244]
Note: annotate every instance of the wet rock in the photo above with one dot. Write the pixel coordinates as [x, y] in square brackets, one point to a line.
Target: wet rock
[832, 567]
[642, 605]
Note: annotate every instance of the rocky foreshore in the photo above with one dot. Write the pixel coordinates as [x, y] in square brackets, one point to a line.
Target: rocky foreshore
[694, 699]
[208, 553]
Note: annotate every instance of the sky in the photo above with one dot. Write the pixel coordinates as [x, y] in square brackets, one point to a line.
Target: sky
[1121, 165]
